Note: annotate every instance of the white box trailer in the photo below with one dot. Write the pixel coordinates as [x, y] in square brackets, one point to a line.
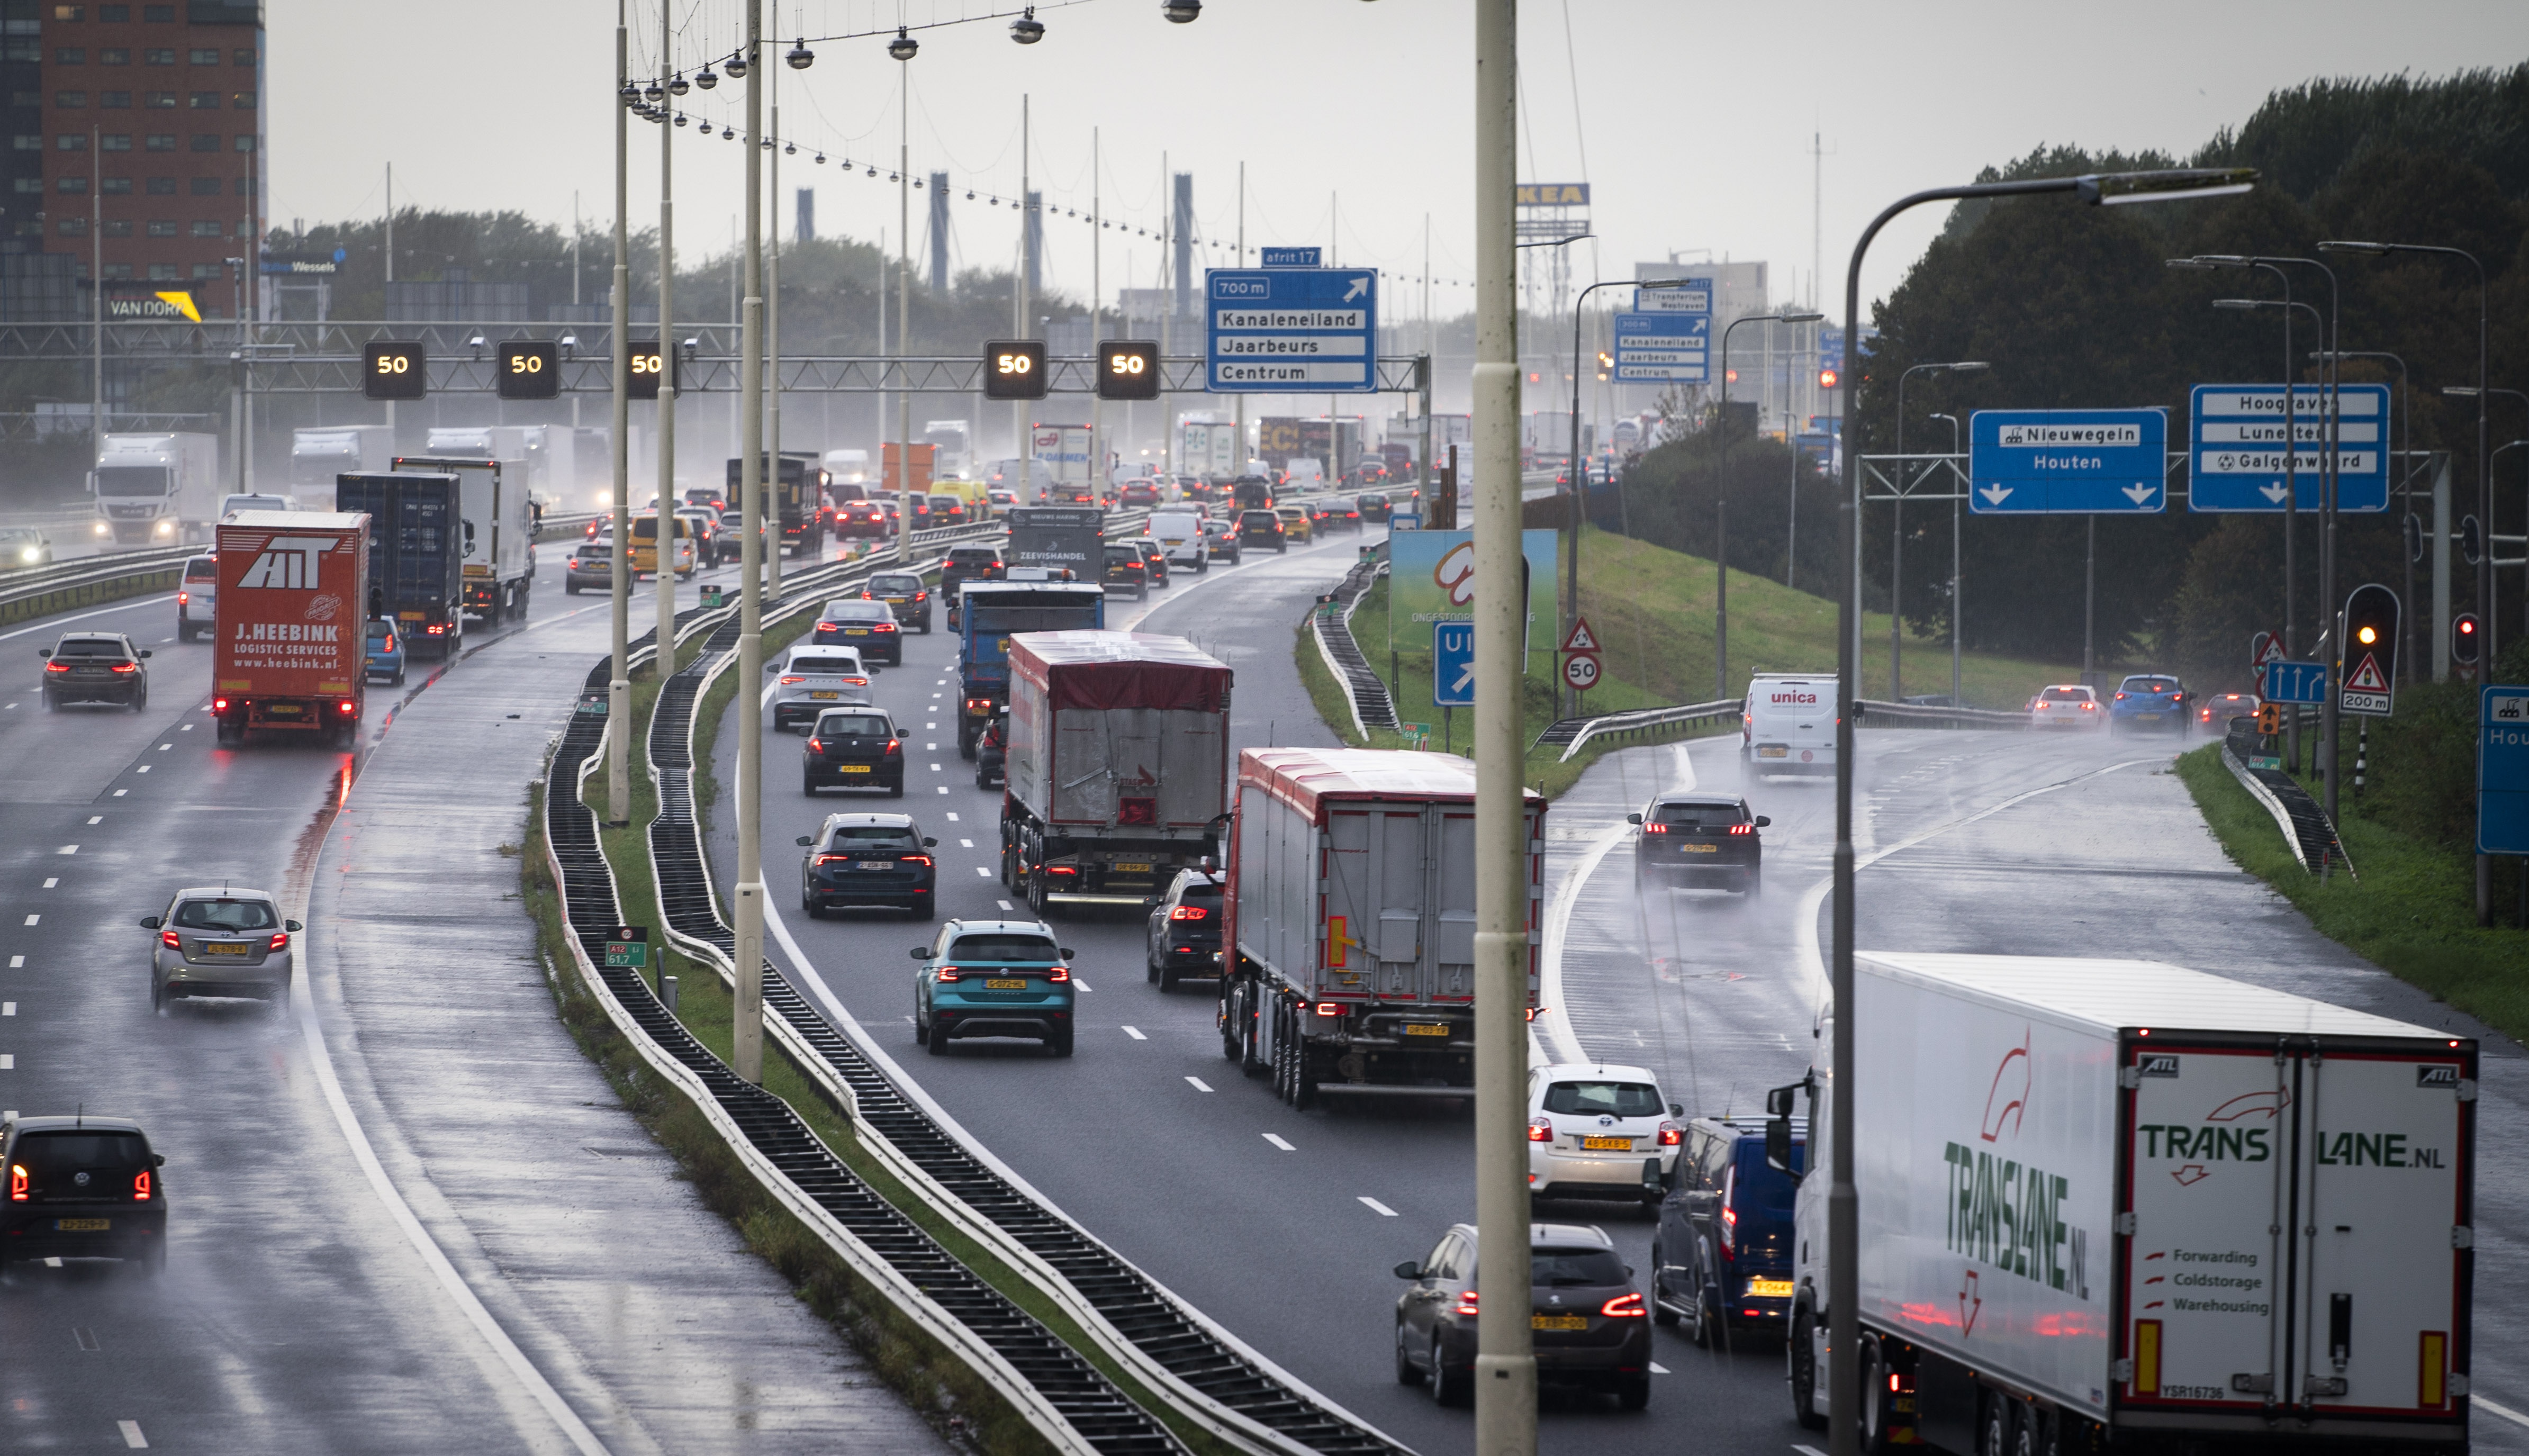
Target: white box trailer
[320, 453]
[1351, 937]
[499, 521]
[2107, 1201]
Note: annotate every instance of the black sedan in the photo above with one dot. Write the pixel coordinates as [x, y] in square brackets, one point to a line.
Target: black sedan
[96, 668]
[1373, 506]
[1698, 839]
[1261, 528]
[1589, 1322]
[867, 862]
[853, 748]
[906, 595]
[82, 1187]
[870, 627]
[1183, 938]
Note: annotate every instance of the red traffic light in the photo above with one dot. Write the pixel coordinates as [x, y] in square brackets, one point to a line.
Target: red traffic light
[2464, 637]
[1827, 378]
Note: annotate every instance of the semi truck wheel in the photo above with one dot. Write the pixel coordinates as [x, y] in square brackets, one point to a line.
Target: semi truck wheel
[1803, 1381]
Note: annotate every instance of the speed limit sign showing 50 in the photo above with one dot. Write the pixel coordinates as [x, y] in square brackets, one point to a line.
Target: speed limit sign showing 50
[1581, 672]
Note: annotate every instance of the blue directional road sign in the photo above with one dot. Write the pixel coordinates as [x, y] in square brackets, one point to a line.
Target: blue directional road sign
[1453, 664]
[2079, 461]
[1292, 258]
[1664, 348]
[1291, 330]
[2503, 771]
[2296, 682]
[2236, 447]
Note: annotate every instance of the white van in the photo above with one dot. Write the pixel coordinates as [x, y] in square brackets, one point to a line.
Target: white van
[1786, 724]
[1181, 539]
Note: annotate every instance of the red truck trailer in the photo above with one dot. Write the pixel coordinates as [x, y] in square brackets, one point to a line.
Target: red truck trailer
[292, 611]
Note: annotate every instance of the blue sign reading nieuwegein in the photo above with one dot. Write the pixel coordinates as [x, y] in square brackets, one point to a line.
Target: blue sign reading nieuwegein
[2236, 447]
[2503, 771]
[1291, 330]
[2081, 461]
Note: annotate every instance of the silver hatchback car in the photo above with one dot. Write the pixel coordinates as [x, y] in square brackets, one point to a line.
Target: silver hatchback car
[220, 941]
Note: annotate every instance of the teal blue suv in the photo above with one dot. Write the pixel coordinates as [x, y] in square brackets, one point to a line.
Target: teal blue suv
[993, 977]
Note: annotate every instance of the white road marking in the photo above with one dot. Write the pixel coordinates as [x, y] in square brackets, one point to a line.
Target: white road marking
[1376, 1206]
[8, 1008]
[18, 962]
[1005, 904]
[50, 622]
[130, 1429]
[7, 1061]
[187, 728]
[119, 792]
[163, 748]
[1199, 1084]
[49, 883]
[96, 819]
[1658, 1368]
[66, 849]
[2505, 1412]
[1083, 985]
[952, 819]
[1807, 1450]
[34, 919]
[944, 789]
[934, 768]
[929, 727]
[930, 748]
[934, 694]
[1135, 1032]
[969, 844]
[980, 871]
[143, 769]
[1276, 1140]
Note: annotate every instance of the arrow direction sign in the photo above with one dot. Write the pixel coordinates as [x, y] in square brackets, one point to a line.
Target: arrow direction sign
[2068, 462]
[2296, 682]
[1290, 330]
[1453, 664]
[2235, 459]
[1669, 345]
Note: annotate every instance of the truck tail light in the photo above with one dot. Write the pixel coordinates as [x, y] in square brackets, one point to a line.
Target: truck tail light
[1059, 975]
[1062, 868]
[1188, 912]
[17, 1183]
[1625, 1307]
[140, 1186]
[167, 937]
[347, 706]
[1671, 1134]
[1540, 1130]
[438, 627]
[279, 941]
[979, 705]
[219, 705]
[1329, 1008]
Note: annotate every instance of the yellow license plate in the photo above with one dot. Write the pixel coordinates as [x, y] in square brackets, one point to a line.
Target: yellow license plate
[1123, 868]
[1773, 753]
[1005, 984]
[894, 601]
[1558, 1322]
[854, 768]
[1770, 1288]
[232, 949]
[281, 709]
[856, 631]
[1607, 1145]
[83, 1225]
[825, 695]
[1426, 1028]
[1699, 849]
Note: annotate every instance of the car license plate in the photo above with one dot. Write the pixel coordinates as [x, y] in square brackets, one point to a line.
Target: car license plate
[896, 601]
[2154, 717]
[824, 694]
[1607, 1145]
[856, 631]
[1123, 867]
[1770, 1288]
[1773, 751]
[1558, 1322]
[234, 948]
[1699, 849]
[1175, 540]
[83, 1225]
[1426, 1028]
[875, 864]
[1004, 982]
[853, 768]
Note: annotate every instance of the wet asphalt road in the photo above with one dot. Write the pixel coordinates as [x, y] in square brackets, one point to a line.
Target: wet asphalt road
[489, 1275]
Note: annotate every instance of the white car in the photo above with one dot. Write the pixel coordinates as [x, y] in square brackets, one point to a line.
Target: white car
[197, 601]
[2067, 705]
[812, 679]
[1179, 533]
[1602, 1132]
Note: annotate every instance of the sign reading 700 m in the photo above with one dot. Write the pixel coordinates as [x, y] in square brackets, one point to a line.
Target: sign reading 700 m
[1291, 330]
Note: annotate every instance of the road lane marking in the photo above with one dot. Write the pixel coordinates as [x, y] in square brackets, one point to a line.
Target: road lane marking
[1376, 1206]
[1005, 904]
[2505, 1412]
[1083, 985]
[49, 883]
[1135, 1032]
[96, 819]
[930, 748]
[8, 1008]
[1199, 1084]
[934, 768]
[34, 919]
[130, 1429]
[119, 792]
[1807, 1450]
[17, 962]
[952, 819]
[143, 769]
[187, 728]
[969, 844]
[980, 871]
[66, 849]
[163, 748]
[1275, 1139]
[944, 789]
[85, 1336]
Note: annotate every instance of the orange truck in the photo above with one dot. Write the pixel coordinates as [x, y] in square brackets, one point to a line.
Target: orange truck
[291, 626]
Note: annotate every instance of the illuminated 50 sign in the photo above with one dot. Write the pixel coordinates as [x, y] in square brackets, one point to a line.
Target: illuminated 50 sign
[1013, 369]
[393, 371]
[1128, 369]
[648, 366]
[530, 370]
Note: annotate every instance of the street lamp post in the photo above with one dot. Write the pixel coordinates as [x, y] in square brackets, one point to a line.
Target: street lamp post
[1956, 574]
[746, 1036]
[1721, 503]
[2292, 504]
[618, 687]
[666, 405]
[1897, 523]
[1843, 1241]
[1577, 470]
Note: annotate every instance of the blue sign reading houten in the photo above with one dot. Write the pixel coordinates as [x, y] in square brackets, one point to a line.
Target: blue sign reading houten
[2083, 461]
[2503, 771]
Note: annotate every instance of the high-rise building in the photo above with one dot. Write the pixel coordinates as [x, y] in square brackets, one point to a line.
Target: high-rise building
[136, 140]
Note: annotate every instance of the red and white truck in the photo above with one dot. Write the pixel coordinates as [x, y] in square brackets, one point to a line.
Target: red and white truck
[2108, 1203]
[292, 624]
[1117, 765]
[1350, 947]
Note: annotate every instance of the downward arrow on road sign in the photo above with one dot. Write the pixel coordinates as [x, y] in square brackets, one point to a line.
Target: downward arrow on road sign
[1995, 494]
[2139, 494]
[2274, 493]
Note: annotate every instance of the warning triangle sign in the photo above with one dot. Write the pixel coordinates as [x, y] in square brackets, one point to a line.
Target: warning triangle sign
[1582, 638]
[2271, 650]
[2366, 677]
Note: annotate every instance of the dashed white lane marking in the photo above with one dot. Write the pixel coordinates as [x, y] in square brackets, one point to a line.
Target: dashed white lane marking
[934, 768]
[66, 849]
[1807, 1450]
[130, 1429]
[34, 919]
[8, 1008]
[980, 871]
[934, 694]
[1276, 1140]
[1135, 1032]
[930, 748]
[969, 844]
[1658, 1368]
[143, 769]
[1005, 904]
[163, 748]
[1376, 1206]
[187, 728]
[96, 819]
[18, 962]
[1083, 985]
[1198, 1084]
[952, 819]
[2505, 1412]
[49, 883]
[119, 792]
[944, 789]
[7, 1061]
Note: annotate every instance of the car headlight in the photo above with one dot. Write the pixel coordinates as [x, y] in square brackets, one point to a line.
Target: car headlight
[28, 554]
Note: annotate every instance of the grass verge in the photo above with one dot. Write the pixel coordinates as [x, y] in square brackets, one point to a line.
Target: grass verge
[2410, 909]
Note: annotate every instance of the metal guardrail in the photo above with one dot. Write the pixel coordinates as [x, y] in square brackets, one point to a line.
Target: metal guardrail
[1364, 691]
[1872, 713]
[1574, 733]
[40, 591]
[2306, 829]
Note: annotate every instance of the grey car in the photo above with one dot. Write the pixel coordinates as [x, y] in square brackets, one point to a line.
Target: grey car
[96, 668]
[591, 567]
[221, 942]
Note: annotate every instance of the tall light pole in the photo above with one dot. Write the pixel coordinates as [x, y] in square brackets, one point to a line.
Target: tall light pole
[747, 1033]
[1897, 526]
[618, 687]
[1721, 500]
[667, 407]
[2464, 392]
[1843, 1241]
[1958, 698]
[904, 48]
[1577, 470]
[2291, 496]
[1505, 1353]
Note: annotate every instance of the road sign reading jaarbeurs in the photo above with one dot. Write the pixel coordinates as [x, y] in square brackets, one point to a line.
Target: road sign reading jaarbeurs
[1431, 578]
[2503, 771]
[2235, 448]
[2077, 462]
[1670, 347]
[1290, 330]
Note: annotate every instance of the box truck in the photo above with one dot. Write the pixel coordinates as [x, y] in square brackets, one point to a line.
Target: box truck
[1064, 450]
[156, 490]
[1351, 943]
[952, 450]
[1117, 766]
[319, 453]
[416, 554]
[990, 615]
[1051, 543]
[2110, 1203]
[797, 493]
[498, 534]
[291, 626]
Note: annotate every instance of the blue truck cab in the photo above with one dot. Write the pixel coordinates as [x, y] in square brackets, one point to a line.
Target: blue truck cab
[1723, 1254]
[989, 613]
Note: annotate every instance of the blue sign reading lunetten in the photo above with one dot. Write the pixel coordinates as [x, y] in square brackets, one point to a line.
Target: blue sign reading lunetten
[2235, 448]
[2078, 462]
[2503, 771]
[1291, 330]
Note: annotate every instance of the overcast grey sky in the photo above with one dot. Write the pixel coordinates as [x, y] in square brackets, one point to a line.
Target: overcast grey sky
[1693, 122]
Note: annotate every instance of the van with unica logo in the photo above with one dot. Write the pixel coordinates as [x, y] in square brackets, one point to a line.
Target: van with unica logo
[1786, 725]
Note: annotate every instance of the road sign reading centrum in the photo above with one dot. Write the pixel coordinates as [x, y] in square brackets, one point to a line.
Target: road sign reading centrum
[1672, 347]
[1290, 330]
[2084, 461]
[2236, 455]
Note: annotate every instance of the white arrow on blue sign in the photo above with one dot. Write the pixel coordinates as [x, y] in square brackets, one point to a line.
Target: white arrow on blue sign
[2236, 447]
[1665, 346]
[1295, 330]
[2296, 682]
[2503, 771]
[1453, 664]
[2078, 462]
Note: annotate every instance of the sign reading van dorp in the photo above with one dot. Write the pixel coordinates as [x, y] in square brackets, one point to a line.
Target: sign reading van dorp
[160, 307]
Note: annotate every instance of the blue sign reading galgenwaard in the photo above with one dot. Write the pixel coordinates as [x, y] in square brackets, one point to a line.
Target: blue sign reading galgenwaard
[1295, 330]
[2503, 771]
[2076, 462]
[2235, 458]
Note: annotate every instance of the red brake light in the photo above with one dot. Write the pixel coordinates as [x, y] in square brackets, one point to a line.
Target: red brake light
[923, 860]
[1671, 1134]
[140, 1186]
[182, 596]
[1466, 1305]
[1654, 827]
[349, 706]
[792, 682]
[1329, 1008]
[1062, 868]
[17, 1183]
[1743, 829]
[834, 859]
[1625, 1307]
[279, 941]
[219, 705]
[57, 666]
[1540, 1130]
[1058, 975]
[888, 626]
[816, 746]
[389, 644]
[2120, 695]
[922, 596]
[944, 973]
[1188, 912]
[167, 937]
[892, 745]
[126, 667]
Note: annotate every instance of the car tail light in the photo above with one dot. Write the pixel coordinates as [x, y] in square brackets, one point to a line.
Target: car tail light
[279, 941]
[834, 859]
[57, 666]
[140, 1186]
[857, 681]
[866, 597]
[922, 596]
[1188, 912]
[2120, 698]
[126, 667]
[1671, 1134]
[2090, 707]
[1540, 1130]
[1059, 975]
[387, 643]
[885, 626]
[923, 860]
[1743, 829]
[792, 682]
[167, 937]
[17, 1183]
[1465, 1306]
[944, 973]
[1625, 1307]
[816, 746]
[1654, 828]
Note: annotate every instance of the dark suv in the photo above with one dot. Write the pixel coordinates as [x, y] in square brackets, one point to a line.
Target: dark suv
[867, 861]
[82, 1187]
[1261, 528]
[848, 621]
[1184, 935]
[904, 595]
[1588, 1319]
[1723, 1253]
[853, 748]
[966, 563]
[1698, 839]
[1125, 569]
[96, 668]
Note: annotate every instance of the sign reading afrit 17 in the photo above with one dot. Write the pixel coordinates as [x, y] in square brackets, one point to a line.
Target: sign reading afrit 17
[2079, 461]
[1290, 330]
[2235, 439]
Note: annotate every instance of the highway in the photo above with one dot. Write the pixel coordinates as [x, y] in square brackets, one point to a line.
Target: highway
[406, 1215]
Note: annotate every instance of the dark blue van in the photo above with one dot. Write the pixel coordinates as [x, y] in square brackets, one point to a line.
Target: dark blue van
[1723, 1254]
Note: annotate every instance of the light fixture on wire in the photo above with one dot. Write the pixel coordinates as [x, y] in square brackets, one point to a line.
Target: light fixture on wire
[654, 94]
[735, 65]
[903, 47]
[820, 159]
[791, 149]
[1179, 12]
[681, 119]
[800, 58]
[728, 134]
[679, 86]
[1027, 30]
[707, 78]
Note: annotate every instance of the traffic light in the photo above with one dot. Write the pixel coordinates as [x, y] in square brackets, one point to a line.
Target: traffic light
[2467, 639]
[528, 370]
[1014, 369]
[2269, 717]
[1128, 369]
[2471, 540]
[2370, 657]
[1827, 378]
[646, 366]
[393, 371]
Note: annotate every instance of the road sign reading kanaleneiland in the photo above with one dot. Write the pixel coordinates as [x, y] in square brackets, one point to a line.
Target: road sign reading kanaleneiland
[2235, 448]
[1290, 330]
[1671, 346]
[2077, 462]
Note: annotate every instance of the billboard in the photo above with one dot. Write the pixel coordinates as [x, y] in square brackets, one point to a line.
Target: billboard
[1432, 578]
